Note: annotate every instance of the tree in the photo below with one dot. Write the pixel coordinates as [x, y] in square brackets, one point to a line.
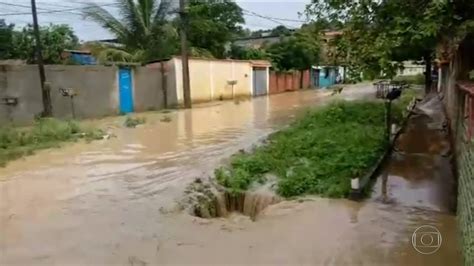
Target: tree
[280, 31]
[6, 39]
[383, 33]
[54, 39]
[213, 24]
[143, 28]
[243, 53]
[299, 51]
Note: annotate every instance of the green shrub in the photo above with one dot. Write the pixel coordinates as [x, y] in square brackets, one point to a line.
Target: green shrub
[166, 119]
[412, 79]
[133, 122]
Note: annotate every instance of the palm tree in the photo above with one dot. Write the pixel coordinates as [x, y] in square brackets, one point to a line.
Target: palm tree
[143, 27]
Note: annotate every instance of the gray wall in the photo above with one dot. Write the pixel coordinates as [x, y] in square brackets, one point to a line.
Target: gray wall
[170, 80]
[21, 82]
[147, 89]
[97, 88]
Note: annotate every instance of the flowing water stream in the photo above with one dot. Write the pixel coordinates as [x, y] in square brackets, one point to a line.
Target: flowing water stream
[113, 202]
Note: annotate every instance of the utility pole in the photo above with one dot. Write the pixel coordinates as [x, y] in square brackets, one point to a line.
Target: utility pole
[184, 53]
[45, 93]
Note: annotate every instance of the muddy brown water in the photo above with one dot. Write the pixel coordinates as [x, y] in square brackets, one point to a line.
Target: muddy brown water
[113, 202]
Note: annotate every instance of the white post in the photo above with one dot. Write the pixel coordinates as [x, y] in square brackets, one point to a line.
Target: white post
[393, 130]
[355, 185]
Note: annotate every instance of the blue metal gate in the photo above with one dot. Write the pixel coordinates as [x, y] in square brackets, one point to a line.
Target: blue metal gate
[125, 90]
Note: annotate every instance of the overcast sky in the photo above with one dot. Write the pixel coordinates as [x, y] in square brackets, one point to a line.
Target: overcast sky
[283, 9]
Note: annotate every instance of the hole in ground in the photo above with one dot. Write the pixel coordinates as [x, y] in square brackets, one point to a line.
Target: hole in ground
[206, 201]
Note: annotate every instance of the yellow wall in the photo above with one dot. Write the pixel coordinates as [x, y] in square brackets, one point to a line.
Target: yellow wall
[200, 80]
[209, 79]
[225, 71]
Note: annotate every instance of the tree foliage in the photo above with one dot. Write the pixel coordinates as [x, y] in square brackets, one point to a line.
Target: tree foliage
[277, 31]
[244, 53]
[6, 39]
[382, 33]
[280, 31]
[54, 39]
[213, 24]
[300, 51]
[143, 27]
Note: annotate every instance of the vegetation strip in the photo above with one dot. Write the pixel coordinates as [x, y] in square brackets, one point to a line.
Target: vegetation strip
[318, 153]
[46, 133]
[365, 181]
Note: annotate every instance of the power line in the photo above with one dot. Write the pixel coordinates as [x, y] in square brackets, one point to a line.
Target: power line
[19, 5]
[273, 18]
[48, 11]
[65, 6]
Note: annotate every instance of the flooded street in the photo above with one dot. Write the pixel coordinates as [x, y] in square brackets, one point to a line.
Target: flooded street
[113, 202]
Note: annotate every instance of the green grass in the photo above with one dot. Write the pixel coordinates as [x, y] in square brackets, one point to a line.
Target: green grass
[317, 154]
[412, 79]
[133, 122]
[45, 133]
[166, 119]
[400, 105]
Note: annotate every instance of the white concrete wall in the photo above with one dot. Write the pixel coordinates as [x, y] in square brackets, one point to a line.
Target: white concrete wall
[209, 79]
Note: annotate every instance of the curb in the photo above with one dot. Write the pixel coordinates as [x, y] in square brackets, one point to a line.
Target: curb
[359, 184]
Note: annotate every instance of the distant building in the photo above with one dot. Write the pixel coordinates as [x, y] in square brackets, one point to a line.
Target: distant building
[257, 42]
[331, 34]
[267, 38]
[327, 49]
[411, 69]
[13, 62]
[79, 57]
[327, 76]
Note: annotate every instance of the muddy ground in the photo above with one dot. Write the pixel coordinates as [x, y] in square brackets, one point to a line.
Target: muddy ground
[113, 202]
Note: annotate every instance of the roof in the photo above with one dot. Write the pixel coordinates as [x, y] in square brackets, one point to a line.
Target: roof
[257, 63]
[261, 63]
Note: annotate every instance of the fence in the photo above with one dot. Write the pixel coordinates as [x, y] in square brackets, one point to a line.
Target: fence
[463, 130]
[99, 91]
[109, 90]
[289, 81]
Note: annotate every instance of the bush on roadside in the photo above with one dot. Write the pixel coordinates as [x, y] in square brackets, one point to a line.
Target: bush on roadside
[45, 133]
[132, 122]
[317, 154]
[418, 79]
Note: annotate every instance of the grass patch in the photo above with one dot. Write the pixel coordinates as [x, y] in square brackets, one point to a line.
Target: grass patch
[412, 79]
[166, 119]
[45, 133]
[400, 105]
[318, 153]
[132, 122]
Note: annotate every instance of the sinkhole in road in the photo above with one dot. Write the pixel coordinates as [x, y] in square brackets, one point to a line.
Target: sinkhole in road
[205, 200]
